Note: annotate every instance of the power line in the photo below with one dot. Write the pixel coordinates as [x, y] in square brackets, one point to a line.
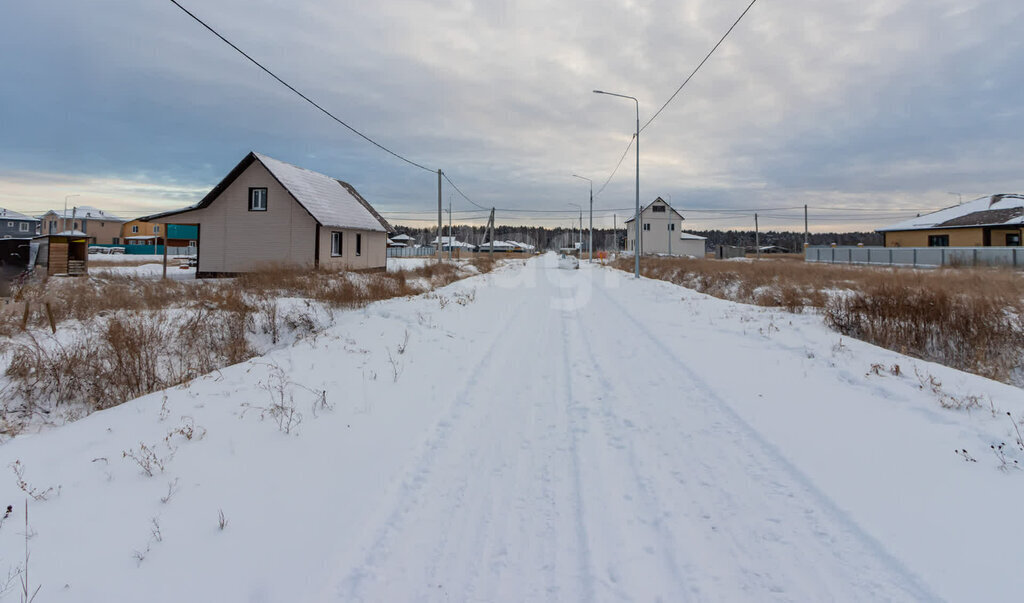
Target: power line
[708, 56]
[458, 190]
[628, 146]
[303, 96]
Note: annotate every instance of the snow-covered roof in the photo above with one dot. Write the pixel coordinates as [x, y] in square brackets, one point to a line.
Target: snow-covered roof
[995, 210]
[141, 237]
[331, 202]
[401, 238]
[64, 233]
[687, 236]
[451, 242]
[10, 214]
[85, 212]
[499, 245]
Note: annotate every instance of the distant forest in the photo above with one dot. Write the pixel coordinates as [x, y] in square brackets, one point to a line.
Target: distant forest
[554, 238]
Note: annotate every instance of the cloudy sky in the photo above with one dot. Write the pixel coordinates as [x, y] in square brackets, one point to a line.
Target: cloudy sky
[862, 109]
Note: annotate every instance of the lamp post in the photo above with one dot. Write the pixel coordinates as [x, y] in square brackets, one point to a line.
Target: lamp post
[590, 242]
[636, 250]
[66, 197]
[578, 206]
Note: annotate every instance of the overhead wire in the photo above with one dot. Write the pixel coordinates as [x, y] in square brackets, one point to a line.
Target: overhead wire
[705, 60]
[301, 95]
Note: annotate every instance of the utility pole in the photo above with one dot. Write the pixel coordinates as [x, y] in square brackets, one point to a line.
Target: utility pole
[490, 225]
[439, 256]
[805, 226]
[615, 231]
[757, 237]
[449, 226]
[581, 233]
[669, 226]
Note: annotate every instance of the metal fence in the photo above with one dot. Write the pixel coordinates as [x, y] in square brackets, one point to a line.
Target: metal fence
[918, 257]
[411, 252]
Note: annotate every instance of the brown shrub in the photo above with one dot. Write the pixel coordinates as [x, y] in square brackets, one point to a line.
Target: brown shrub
[971, 319]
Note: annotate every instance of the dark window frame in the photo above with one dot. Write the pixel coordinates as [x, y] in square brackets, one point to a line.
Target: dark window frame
[266, 196]
[1010, 236]
[359, 244]
[337, 250]
[647, 226]
[658, 209]
[938, 240]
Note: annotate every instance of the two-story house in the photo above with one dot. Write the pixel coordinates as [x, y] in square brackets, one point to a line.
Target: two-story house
[660, 230]
[102, 227]
[14, 225]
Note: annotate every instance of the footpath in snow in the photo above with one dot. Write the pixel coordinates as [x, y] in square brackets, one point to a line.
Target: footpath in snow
[536, 434]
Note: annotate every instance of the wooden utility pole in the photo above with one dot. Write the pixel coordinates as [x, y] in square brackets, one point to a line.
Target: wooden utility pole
[439, 214]
[490, 227]
[805, 226]
[757, 237]
[164, 277]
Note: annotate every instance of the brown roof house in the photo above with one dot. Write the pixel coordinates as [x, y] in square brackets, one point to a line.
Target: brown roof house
[994, 221]
[267, 212]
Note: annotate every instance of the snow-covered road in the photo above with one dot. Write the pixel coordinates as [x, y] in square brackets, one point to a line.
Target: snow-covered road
[539, 434]
[582, 461]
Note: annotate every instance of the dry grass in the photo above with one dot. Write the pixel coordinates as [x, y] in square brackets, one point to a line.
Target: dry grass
[971, 319]
[135, 336]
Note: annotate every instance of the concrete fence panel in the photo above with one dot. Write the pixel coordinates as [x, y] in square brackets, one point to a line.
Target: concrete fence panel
[921, 257]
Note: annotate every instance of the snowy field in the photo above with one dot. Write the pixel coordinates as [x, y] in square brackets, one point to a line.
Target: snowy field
[537, 434]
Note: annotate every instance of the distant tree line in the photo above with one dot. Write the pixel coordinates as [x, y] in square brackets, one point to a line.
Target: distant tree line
[605, 238]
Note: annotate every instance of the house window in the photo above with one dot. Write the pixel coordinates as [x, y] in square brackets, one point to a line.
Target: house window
[938, 240]
[10, 225]
[359, 244]
[135, 229]
[336, 248]
[1013, 239]
[647, 226]
[116, 241]
[658, 209]
[156, 230]
[23, 226]
[257, 199]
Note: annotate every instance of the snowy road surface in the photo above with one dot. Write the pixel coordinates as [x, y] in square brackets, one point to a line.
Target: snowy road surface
[538, 434]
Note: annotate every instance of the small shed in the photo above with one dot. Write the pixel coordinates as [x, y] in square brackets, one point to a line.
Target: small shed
[63, 253]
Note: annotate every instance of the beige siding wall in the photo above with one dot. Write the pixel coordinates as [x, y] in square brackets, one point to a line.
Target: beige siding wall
[234, 239]
[374, 250]
[958, 237]
[656, 240]
[102, 231]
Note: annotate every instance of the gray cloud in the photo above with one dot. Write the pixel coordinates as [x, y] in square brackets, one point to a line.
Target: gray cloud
[844, 103]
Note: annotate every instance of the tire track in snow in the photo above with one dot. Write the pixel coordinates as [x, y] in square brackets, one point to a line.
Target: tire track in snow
[408, 496]
[652, 511]
[584, 557]
[831, 517]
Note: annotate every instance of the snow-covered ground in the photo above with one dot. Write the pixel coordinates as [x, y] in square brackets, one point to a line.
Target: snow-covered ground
[537, 434]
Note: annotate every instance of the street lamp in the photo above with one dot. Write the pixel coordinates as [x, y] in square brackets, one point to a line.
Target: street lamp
[66, 197]
[590, 243]
[636, 242]
[581, 228]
